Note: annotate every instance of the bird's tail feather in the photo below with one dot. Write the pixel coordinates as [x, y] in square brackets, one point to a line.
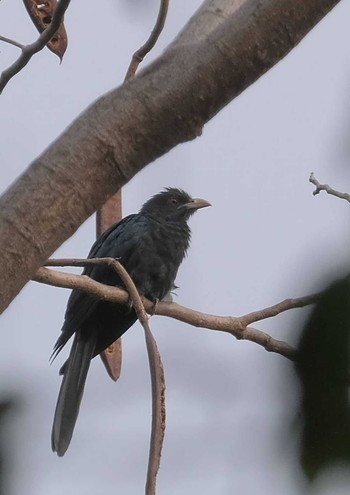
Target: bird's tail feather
[71, 392]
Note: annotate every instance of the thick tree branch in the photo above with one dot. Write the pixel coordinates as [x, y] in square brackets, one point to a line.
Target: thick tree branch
[239, 327]
[167, 104]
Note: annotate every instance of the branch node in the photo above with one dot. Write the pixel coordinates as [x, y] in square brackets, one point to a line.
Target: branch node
[325, 187]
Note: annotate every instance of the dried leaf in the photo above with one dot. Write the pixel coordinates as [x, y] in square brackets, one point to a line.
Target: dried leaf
[110, 213]
[41, 12]
[112, 359]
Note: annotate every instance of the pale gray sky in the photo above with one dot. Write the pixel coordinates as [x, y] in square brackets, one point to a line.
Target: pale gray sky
[266, 238]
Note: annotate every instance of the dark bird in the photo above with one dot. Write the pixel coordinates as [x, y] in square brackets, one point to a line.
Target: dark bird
[151, 246]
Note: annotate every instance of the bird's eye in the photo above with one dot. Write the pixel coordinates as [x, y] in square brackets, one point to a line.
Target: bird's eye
[174, 201]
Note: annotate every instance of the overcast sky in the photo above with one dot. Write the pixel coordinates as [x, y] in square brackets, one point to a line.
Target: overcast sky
[231, 406]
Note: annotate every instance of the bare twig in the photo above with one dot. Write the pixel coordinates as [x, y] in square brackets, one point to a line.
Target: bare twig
[229, 324]
[236, 326]
[140, 54]
[155, 364]
[11, 42]
[276, 309]
[329, 190]
[29, 50]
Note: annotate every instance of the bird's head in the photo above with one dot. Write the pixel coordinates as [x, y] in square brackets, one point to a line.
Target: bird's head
[173, 204]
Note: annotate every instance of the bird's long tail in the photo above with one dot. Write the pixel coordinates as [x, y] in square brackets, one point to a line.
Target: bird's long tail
[71, 392]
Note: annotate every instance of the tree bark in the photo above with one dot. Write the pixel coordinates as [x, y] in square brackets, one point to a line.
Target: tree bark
[225, 47]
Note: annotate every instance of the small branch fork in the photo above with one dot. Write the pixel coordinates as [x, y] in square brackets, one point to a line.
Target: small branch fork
[140, 54]
[29, 50]
[239, 327]
[329, 190]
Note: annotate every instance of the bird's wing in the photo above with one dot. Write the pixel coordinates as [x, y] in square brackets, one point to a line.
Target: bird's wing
[118, 241]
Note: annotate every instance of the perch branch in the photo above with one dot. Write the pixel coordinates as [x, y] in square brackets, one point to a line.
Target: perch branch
[239, 327]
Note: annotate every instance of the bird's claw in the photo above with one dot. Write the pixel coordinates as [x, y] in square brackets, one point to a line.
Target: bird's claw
[154, 307]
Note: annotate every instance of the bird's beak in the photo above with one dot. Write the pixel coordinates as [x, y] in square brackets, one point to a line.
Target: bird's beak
[197, 203]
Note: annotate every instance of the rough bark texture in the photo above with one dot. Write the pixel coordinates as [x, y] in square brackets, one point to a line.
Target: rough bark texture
[168, 103]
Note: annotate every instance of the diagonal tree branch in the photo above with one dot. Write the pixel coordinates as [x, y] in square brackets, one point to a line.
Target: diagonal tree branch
[167, 104]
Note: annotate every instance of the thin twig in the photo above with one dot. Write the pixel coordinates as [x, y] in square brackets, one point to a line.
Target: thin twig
[329, 190]
[11, 42]
[276, 309]
[157, 379]
[140, 54]
[29, 50]
[236, 326]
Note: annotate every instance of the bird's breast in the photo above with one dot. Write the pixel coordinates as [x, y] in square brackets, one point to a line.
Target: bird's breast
[153, 265]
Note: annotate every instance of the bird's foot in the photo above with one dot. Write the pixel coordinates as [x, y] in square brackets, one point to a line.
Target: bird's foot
[154, 307]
